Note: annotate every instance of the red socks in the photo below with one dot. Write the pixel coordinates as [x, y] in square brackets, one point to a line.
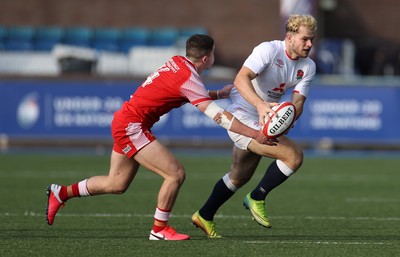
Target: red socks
[75, 190]
[63, 194]
[158, 228]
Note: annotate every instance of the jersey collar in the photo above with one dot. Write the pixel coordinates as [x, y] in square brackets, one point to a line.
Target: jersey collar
[290, 57]
[190, 62]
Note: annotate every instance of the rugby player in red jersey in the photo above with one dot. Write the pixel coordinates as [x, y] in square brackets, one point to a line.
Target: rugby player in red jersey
[172, 85]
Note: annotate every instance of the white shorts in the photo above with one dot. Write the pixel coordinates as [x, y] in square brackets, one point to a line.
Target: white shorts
[247, 118]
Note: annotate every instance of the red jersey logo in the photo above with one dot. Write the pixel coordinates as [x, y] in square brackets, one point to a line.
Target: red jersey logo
[280, 88]
[300, 74]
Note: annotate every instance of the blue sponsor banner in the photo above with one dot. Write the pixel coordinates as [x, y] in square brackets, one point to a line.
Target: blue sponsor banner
[59, 109]
[346, 114]
[82, 110]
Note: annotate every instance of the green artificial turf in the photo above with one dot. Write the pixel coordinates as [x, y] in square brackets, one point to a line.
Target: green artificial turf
[332, 207]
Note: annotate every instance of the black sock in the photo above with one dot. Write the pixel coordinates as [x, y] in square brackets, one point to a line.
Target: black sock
[218, 197]
[273, 177]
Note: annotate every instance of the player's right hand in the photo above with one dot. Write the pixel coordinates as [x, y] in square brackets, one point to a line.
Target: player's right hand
[264, 110]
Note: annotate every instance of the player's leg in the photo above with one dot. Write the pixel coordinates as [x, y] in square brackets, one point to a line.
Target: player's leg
[159, 159]
[121, 173]
[288, 159]
[242, 169]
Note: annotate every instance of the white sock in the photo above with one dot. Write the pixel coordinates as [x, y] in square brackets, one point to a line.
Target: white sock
[83, 191]
[161, 215]
[228, 183]
[284, 168]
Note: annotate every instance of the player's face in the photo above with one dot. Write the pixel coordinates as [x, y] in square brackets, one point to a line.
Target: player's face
[300, 43]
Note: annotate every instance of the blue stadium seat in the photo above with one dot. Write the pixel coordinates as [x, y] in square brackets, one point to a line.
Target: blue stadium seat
[3, 33]
[134, 36]
[106, 39]
[19, 38]
[78, 36]
[47, 37]
[165, 36]
[187, 32]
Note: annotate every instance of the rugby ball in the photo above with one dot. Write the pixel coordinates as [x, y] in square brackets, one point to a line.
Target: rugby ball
[280, 123]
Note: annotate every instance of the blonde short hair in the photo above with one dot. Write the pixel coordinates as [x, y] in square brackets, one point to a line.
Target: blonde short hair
[297, 20]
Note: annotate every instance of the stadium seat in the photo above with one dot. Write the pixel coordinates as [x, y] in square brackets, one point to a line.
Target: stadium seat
[78, 36]
[3, 32]
[187, 32]
[47, 37]
[134, 36]
[19, 38]
[165, 36]
[28, 63]
[112, 64]
[143, 60]
[106, 39]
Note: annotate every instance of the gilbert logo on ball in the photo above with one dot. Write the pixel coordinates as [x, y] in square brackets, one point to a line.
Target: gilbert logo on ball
[279, 124]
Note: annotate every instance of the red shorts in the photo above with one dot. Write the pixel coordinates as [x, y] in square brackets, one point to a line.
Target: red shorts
[129, 137]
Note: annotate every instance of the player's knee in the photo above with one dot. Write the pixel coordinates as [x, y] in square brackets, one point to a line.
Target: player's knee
[297, 159]
[179, 175]
[293, 159]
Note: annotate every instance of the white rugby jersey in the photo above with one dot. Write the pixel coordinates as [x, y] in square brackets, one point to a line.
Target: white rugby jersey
[276, 73]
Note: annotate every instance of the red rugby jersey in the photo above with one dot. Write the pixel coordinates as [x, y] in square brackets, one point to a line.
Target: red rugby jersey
[172, 85]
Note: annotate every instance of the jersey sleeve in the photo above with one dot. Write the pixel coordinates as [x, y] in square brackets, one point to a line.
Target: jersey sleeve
[260, 58]
[194, 90]
[309, 74]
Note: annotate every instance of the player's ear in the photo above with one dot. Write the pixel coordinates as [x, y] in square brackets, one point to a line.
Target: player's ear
[204, 59]
[289, 36]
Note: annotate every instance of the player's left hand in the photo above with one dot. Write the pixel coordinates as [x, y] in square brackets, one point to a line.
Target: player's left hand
[225, 91]
[262, 139]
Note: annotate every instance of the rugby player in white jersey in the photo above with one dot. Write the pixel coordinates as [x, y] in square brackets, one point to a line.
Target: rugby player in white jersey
[267, 74]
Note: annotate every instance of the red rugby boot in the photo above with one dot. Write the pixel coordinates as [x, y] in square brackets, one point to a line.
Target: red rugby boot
[168, 233]
[53, 202]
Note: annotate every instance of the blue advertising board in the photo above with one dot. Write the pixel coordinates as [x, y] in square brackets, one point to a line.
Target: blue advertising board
[84, 110]
[59, 109]
[48, 109]
[351, 114]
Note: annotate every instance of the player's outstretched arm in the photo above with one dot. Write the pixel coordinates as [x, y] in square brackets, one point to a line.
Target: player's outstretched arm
[226, 120]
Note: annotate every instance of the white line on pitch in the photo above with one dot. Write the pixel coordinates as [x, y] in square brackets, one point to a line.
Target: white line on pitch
[137, 215]
[317, 242]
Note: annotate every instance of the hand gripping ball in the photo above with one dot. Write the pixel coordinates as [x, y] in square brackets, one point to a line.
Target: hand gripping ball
[280, 123]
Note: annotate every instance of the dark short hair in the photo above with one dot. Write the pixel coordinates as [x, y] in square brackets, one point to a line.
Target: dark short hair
[198, 46]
